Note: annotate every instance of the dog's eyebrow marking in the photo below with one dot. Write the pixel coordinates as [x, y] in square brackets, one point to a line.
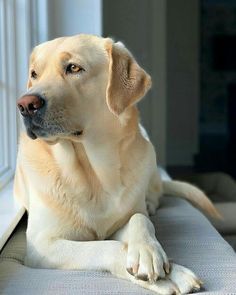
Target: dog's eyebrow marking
[65, 55]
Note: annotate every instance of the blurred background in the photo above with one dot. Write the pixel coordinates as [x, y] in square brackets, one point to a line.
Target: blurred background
[187, 46]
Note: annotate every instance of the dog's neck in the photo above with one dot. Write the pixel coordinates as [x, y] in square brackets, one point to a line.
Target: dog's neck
[99, 156]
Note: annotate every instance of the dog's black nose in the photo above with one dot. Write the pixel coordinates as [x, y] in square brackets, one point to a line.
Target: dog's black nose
[30, 104]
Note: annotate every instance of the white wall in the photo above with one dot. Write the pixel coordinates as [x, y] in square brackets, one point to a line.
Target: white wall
[70, 17]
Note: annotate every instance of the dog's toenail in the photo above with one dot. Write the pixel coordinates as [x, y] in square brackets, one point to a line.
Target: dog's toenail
[166, 267]
[142, 277]
[130, 270]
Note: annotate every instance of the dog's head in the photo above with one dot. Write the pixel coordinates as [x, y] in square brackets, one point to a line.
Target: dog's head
[79, 83]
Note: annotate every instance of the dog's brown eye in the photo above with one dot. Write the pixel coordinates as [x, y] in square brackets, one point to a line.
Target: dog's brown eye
[73, 69]
[33, 74]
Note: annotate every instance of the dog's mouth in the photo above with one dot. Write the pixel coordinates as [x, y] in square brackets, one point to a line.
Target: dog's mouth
[50, 130]
[34, 132]
[77, 133]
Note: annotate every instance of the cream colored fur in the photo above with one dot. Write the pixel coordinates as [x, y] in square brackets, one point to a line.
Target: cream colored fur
[89, 194]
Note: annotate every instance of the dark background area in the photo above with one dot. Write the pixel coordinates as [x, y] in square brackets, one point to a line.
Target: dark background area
[189, 48]
[218, 87]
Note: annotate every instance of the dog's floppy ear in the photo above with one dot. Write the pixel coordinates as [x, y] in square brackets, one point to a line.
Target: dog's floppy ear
[127, 82]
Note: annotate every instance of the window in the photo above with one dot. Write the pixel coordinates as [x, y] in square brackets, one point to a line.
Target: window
[20, 30]
[7, 92]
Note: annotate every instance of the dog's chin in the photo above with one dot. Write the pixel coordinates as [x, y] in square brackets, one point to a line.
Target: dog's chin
[51, 141]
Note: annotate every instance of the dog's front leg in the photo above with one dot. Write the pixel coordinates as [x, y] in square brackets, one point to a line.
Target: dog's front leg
[146, 258]
[67, 254]
[148, 263]
[106, 255]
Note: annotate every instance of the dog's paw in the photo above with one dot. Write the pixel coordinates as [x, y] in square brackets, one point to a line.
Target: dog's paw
[184, 279]
[161, 287]
[147, 261]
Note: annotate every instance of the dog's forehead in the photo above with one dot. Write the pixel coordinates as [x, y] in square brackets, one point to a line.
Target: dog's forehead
[84, 46]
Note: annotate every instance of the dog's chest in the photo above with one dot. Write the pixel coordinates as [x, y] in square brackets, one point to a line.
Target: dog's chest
[92, 201]
[90, 212]
[97, 216]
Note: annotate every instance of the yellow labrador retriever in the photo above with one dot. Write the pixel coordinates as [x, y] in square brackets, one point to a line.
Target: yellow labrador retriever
[86, 173]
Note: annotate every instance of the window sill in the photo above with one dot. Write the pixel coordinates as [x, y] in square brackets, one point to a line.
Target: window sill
[10, 213]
